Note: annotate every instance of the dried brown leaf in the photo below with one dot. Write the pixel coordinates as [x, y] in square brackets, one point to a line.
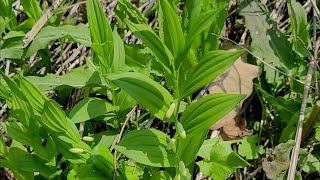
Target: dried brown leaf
[237, 80]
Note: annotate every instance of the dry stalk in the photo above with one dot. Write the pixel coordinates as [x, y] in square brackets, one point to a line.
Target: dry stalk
[40, 23]
[298, 137]
[117, 139]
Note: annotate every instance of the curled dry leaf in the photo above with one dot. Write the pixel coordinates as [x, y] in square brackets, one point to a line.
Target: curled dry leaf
[237, 80]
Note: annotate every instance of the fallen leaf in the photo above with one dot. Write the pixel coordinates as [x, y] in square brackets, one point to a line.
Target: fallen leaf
[237, 80]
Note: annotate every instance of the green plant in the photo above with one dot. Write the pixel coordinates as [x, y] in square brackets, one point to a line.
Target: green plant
[137, 116]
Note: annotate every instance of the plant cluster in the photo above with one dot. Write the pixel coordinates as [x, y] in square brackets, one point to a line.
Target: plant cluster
[112, 130]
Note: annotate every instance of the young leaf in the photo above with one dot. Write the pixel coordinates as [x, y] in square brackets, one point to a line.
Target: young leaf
[89, 108]
[299, 28]
[210, 66]
[249, 148]
[200, 24]
[151, 95]
[170, 28]
[147, 147]
[101, 33]
[153, 42]
[79, 33]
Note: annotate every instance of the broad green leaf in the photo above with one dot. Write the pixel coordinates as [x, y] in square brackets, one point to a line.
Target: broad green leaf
[212, 38]
[201, 23]
[6, 11]
[249, 149]
[32, 93]
[299, 28]
[105, 138]
[147, 147]
[64, 143]
[23, 161]
[125, 103]
[133, 170]
[5, 8]
[21, 109]
[79, 34]
[55, 121]
[206, 147]
[285, 107]
[3, 148]
[101, 33]
[202, 114]
[223, 161]
[269, 43]
[119, 60]
[18, 132]
[290, 130]
[151, 95]
[86, 172]
[13, 86]
[12, 48]
[210, 66]
[145, 33]
[32, 9]
[193, 9]
[161, 175]
[4, 23]
[102, 159]
[311, 164]
[14, 34]
[89, 108]
[188, 148]
[139, 56]
[170, 29]
[77, 78]
[197, 119]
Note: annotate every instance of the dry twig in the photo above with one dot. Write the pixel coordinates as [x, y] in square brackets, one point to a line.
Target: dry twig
[40, 23]
[296, 148]
[117, 139]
